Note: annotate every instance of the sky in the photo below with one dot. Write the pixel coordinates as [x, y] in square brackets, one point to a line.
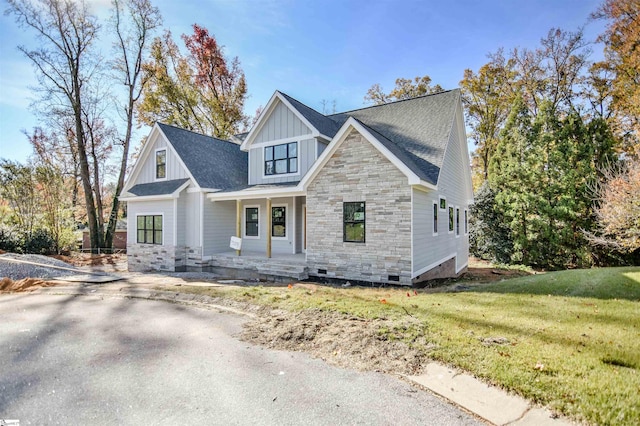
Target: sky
[320, 50]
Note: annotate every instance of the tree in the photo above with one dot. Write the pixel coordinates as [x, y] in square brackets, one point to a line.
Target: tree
[65, 65]
[18, 189]
[203, 91]
[622, 53]
[405, 89]
[133, 35]
[489, 236]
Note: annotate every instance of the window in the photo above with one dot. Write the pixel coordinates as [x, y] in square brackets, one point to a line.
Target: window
[466, 221]
[279, 222]
[149, 228]
[443, 203]
[435, 218]
[450, 219]
[281, 159]
[457, 221]
[354, 222]
[251, 222]
[161, 164]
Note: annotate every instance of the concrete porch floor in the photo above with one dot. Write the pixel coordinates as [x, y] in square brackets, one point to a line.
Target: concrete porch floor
[255, 265]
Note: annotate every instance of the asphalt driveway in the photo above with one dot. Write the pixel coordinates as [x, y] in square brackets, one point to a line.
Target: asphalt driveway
[95, 360]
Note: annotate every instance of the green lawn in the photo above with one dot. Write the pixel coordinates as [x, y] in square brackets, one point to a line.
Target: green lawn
[570, 340]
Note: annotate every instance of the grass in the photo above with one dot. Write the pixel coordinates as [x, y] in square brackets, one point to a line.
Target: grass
[571, 339]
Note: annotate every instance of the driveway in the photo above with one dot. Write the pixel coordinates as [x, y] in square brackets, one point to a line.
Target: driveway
[95, 360]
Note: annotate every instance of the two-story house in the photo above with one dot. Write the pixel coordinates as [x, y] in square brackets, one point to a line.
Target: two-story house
[378, 194]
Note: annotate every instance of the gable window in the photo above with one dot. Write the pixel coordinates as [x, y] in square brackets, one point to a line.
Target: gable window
[354, 222]
[435, 218]
[457, 221]
[161, 164]
[443, 203]
[149, 229]
[251, 222]
[281, 159]
[279, 222]
[450, 219]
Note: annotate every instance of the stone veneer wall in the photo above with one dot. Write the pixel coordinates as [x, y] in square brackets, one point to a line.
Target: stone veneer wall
[153, 257]
[357, 171]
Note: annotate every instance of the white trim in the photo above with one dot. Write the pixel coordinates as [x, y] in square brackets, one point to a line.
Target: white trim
[412, 227]
[434, 264]
[451, 229]
[155, 164]
[304, 230]
[175, 222]
[315, 144]
[464, 265]
[162, 197]
[257, 194]
[281, 141]
[435, 220]
[149, 214]
[294, 225]
[244, 222]
[286, 224]
[442, 197]
[341, 136]
[201, 206]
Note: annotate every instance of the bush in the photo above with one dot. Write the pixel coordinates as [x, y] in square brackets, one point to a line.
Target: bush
[9, 241]
[40, 242]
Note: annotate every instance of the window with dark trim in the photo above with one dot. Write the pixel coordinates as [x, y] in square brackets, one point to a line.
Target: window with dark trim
[354, 222]
[161, 164]
[450, 219]
[457, 221]
[466, 221]
[279, 222]
[443, 203]
[435, 217]
[149, 229]
[281, 159]
[251, 222]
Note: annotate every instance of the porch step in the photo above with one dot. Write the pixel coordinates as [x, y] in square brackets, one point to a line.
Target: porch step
[258, 267]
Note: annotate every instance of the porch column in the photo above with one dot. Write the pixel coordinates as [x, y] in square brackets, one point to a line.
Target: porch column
[238, 222]
[269, 214]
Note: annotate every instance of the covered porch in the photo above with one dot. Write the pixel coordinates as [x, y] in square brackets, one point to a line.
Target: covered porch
[270, 234]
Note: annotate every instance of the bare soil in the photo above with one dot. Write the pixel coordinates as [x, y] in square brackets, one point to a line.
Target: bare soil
[27, 284]
[104, 262]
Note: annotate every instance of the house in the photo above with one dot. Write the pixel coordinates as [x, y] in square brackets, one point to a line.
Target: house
[378, 194]
[119, 238]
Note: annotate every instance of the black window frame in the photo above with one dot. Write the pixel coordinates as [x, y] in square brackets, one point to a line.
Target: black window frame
[281, 221]
[451, 219]
[353, 221]
[247, 221]
[435, 217]
[442, 203]
[457, 221]
[466, 221]
[161, 166]
[153, 230]
[270, 159]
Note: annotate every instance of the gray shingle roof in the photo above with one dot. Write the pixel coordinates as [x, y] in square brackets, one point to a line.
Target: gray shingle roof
[322, 123]
[157, 188]
[214, 163]
[415, 130]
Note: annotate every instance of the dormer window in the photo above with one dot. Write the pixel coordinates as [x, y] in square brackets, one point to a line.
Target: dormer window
[281, 159]
[161, 164]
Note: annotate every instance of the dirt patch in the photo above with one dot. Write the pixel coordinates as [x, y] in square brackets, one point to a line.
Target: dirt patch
[106, 262]
[347, 341]
[26, 284]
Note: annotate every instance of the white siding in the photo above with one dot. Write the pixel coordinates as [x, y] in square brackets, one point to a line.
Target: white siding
[219, 226]
[320, 148]
[282, 123]
[306, 158]
[164, 207]
[299, 220]
[174, 168]
[430, 250]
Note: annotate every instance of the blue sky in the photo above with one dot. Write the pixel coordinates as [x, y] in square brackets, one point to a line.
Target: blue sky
[318, 50]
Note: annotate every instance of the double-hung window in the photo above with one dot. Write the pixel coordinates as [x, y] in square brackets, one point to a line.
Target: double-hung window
[149, 229]
[354, 222]
[281, 159]
[161, 164]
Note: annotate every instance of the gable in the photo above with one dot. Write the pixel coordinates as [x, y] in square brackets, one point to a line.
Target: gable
[282, 123]
[144, 170]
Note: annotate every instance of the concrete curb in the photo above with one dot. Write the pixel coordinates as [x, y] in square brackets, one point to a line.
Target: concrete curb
[490, 403]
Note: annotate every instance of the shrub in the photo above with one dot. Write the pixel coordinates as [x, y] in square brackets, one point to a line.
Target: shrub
[40, 242]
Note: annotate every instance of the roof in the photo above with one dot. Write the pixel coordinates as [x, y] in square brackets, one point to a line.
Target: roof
[415, 130]
[157, 188]
[213, 163]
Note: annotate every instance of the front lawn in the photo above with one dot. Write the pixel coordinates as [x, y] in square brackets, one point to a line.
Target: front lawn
[569, 340]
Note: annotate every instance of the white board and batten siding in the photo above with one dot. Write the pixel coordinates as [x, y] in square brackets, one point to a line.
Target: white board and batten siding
[282, 126]
[219, 226]
[174, 169]
[429, 250]
[162, 207]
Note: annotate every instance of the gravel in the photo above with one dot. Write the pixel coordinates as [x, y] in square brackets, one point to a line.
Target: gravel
[18, 271]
